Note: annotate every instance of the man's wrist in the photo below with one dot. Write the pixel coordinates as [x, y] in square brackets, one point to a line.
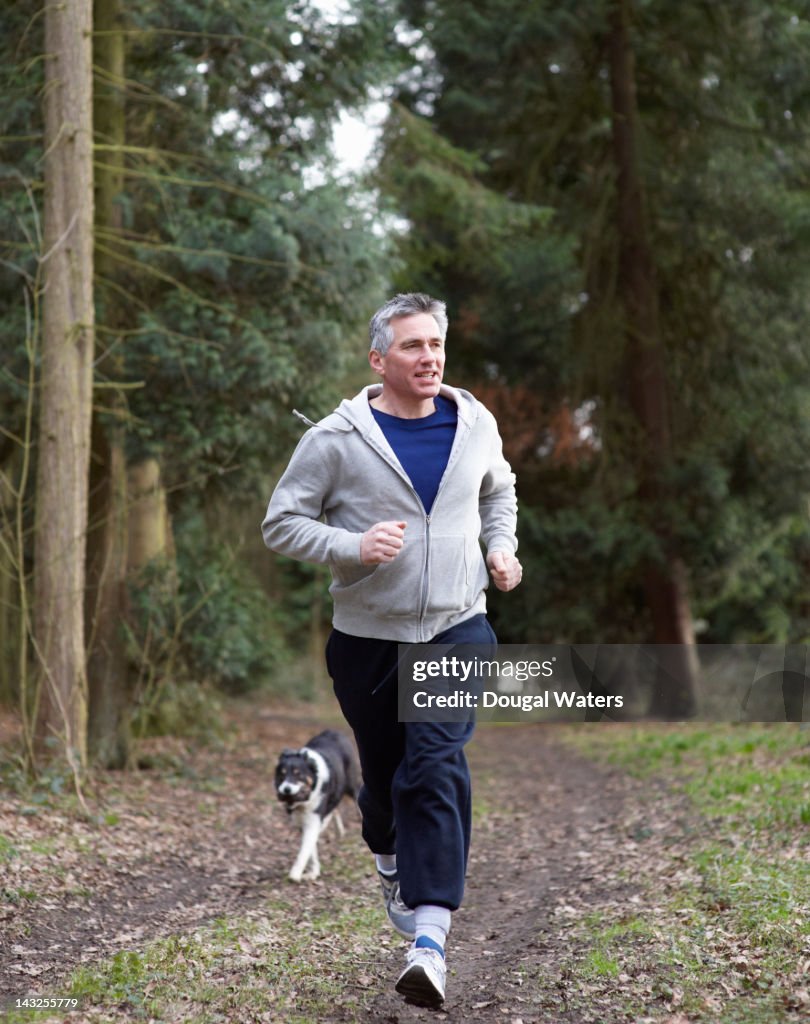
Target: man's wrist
[501, 547]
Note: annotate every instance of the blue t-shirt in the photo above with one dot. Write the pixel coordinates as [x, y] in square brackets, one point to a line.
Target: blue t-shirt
[422, 445]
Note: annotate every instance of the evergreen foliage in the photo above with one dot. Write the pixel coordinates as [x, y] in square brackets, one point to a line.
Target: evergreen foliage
[244, 269]
[520, 93]
[245, 278]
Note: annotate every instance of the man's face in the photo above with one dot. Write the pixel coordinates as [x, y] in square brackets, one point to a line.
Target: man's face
[413, 366]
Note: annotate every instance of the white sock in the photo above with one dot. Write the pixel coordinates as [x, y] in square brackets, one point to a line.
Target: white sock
[386, 862]
[433, 922]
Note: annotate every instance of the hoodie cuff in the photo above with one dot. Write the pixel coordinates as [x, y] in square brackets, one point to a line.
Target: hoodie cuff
[506, 544]
[346, 548]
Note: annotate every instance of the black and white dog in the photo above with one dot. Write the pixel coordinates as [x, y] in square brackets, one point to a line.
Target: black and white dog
[311, 782]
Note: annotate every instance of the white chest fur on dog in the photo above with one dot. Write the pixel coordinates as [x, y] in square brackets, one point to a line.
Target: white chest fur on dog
[311, 781]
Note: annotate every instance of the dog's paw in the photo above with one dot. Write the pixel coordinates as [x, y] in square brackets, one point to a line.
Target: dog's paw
[313, 874]
[295, 876]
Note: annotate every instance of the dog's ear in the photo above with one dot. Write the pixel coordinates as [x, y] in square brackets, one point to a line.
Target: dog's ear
[289, 751]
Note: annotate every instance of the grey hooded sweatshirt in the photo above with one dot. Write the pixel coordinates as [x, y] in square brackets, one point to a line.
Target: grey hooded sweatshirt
[344, 477]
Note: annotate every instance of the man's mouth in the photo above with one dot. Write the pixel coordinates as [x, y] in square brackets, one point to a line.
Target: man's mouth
[428, 374]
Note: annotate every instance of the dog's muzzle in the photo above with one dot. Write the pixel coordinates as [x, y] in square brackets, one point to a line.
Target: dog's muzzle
[292, 793]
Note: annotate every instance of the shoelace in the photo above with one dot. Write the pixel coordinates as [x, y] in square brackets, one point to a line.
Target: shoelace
[420, 952]
[396, 899]
[391, 886]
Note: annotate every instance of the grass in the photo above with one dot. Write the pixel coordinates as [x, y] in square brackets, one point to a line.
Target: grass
[7, 849]
[731, 941]
[720, 932]
[267, 964]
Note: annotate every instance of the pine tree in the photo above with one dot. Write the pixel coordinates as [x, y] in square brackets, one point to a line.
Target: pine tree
[523, 93]
[664, 577]
[105, 595]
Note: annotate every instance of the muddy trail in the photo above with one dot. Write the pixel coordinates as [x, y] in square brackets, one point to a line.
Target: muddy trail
[199, 838]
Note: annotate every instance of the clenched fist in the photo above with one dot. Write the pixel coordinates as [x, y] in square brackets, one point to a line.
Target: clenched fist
[382, 543]
[505, 570]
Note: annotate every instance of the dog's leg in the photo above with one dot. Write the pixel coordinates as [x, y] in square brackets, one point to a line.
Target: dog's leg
[341, 831]
[314, 870]
[310, 828]
[314, 864]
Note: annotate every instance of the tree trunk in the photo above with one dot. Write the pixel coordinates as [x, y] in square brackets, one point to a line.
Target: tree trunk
[106, 602]
[106, 609]
[66, 380]
[665, 581]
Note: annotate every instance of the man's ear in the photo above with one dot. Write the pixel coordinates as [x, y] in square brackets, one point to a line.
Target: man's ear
[376, 361]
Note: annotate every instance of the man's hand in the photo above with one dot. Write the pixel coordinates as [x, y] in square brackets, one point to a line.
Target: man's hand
[505, 570]
[382, 543]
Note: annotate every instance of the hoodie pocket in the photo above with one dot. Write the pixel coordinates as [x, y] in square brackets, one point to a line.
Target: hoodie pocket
[456, 575]
[388, 589]
[450, 584]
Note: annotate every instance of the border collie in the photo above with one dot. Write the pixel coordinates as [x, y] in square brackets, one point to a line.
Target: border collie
[311, 782]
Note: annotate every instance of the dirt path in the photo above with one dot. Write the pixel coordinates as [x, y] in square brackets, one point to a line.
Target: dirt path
[552, 847]
[175, 849]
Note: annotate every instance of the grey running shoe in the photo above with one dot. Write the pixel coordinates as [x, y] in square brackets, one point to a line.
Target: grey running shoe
[422, 981]
[400, 916]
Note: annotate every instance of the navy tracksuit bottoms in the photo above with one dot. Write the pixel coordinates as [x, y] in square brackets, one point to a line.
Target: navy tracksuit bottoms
[415, 799]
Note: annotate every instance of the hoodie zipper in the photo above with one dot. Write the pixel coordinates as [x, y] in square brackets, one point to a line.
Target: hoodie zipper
[425, 576]
[423, 597]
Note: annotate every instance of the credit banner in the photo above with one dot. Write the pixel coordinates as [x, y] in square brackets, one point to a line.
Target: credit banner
[604, 682]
